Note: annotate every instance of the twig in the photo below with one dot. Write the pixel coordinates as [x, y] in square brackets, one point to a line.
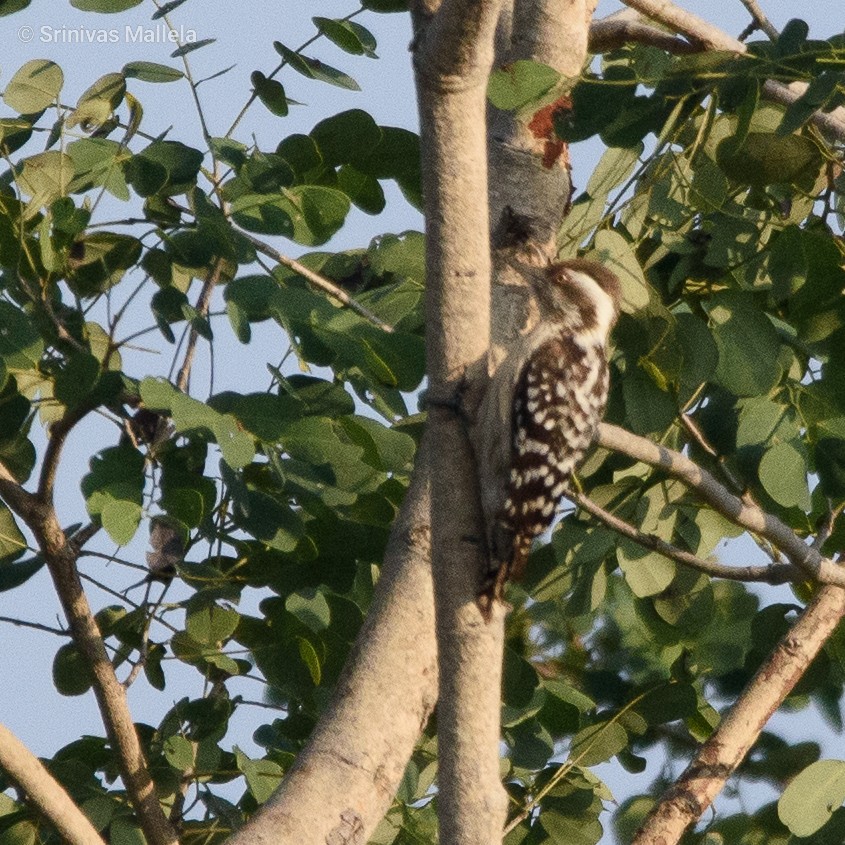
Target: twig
[760, 19]
[745, 514]
[45, 792]
[254, 95]
[827, 525]
[36, 626]
[776, 574]
[203, 301]
[86, 533]
[695, 432]
[727, 746]
[317, 280]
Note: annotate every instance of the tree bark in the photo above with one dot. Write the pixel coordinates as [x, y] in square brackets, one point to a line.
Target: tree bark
[45, 793]
[452, 63]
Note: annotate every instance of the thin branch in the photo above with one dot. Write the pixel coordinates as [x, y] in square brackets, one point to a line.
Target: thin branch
[742, 513]
[760, 19]
[86, 533]
[58, 434]
[624, 27]
[719, 757]
[776, 574]
[45, 792]
[317, 280]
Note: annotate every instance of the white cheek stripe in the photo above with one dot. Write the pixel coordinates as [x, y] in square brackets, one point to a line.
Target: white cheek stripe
[603, 302]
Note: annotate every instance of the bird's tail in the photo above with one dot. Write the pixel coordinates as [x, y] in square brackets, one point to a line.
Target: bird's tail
[500, 572]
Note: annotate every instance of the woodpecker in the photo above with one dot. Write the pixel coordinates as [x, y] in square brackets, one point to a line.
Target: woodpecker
[540, 413]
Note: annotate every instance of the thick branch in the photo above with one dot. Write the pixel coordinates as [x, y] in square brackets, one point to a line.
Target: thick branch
[343, 782]
[712, 38]
[61, 555]
[719, 757]
[745, 514]
[452, 65]
[45, 792]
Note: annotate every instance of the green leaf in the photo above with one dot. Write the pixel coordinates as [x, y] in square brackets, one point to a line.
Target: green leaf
[788, 263]
[71, 675]
[77, 379]
[830, 465]
[519, 680]
[191, 46]
[748, 345]
[350, 36]
[598, 743]
[96, 105]
[271, 92]
[385, 5]
[21, 346]
[384, 448]
[314, 69]
[12, 542]
[262, 776]
[12, 6]
[769, 159]
[104, 5]
[34, 87]
[362, 189]
[614, 167]
[347, 138]
[759, 418]
[168, 167]
[188, 414]
[151, 72]
[100, 261]
[783, 474]
[114, 491]
[98, 161]
[308, 214]
[520, 83]
[179, 752]
[647, 573]
[13, 574]
[45, 176]
[812, 796]
[614, 252]
[567, 830]
[311, 608]
[209, 623]
[311, 659]
[124, 831]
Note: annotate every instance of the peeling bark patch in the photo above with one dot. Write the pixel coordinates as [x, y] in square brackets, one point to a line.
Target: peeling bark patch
[542, 127]
[350, 831]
